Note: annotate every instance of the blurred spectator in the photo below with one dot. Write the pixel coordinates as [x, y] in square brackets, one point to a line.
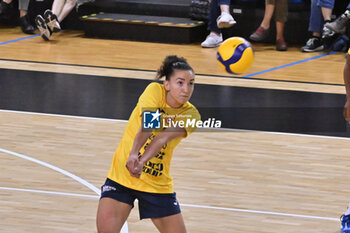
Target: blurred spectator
[219, 18]
[320, 13]
[280, 8]
[6, 11]
[50, 21]
[339, 25]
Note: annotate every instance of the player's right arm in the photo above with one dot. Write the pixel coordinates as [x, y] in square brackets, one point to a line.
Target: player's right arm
[150, 99]
[347, 88]
[139, 141]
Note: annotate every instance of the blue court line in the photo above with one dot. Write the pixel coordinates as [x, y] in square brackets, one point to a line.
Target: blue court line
[24, 38]
[290, 64]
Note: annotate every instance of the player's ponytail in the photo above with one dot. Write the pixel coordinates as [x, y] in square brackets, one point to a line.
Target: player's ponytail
[170, 64]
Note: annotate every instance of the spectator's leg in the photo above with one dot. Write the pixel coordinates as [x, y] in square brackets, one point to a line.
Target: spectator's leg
[67, 8]
[225, 20]
[315, 26]
[23, 20]
[214, 13]
[269, 10]
[214, 39]
[224, 8]
[57, 6]
[224, 5]
[263, 30]
[279, 30]
[23, 7]
[281, 13]
[281, 17]
[326, 13]
[61, 8]
[316, 19]
[326, 8]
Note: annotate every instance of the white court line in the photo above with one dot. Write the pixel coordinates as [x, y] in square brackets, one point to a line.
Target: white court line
[50, 192]
[262, 212]
[186, 205]
[64, 172]
[64, 116]
[225, 129]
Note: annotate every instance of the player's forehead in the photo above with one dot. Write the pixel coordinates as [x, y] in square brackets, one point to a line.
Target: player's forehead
[185, 75]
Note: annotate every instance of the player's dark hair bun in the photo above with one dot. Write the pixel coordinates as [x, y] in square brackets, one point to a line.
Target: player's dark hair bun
[170, 64]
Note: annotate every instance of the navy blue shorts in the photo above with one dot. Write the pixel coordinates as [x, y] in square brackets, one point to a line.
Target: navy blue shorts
[151, 205]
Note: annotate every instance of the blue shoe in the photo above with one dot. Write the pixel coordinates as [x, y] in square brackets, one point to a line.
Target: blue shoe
[345, 223]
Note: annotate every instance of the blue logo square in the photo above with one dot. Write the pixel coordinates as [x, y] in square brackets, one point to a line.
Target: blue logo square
[151, 120]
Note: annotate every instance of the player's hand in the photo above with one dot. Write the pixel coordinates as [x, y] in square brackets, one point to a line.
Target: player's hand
[134, 165]
[137, 169]
[347, 111]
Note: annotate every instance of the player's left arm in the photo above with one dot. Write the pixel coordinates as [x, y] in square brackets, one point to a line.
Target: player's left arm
[156, 145]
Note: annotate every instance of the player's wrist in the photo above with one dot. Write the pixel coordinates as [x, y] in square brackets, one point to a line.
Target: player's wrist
[143, 160]
[133, 154]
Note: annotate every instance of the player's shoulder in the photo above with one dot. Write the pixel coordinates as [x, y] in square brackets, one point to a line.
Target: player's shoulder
[154, 89]
[189, 108]
[155, 86]
[153, 95]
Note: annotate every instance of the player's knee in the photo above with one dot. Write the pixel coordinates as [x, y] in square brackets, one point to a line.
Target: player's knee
[107, 222]
[103, 221]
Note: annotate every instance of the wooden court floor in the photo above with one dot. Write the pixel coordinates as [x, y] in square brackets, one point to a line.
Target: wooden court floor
[229, 181]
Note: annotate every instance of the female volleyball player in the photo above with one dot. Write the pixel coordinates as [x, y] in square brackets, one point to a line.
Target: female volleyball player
[345, 219]
[140, 167]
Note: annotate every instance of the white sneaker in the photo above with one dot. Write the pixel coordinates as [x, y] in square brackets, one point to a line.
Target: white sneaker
[213, 40]
[41, 25]
[51, 21]
[225, 20]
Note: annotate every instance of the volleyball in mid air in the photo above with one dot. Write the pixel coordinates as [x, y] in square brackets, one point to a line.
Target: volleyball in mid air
[235, 55]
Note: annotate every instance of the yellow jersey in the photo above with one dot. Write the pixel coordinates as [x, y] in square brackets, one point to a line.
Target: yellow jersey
[155, 177]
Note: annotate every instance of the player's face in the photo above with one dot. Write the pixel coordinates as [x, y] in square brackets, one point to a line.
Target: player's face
[179, 87]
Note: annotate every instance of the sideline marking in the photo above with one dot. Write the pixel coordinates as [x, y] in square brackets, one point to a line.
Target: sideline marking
[49, 192]
[23, 38]
[290, 64]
